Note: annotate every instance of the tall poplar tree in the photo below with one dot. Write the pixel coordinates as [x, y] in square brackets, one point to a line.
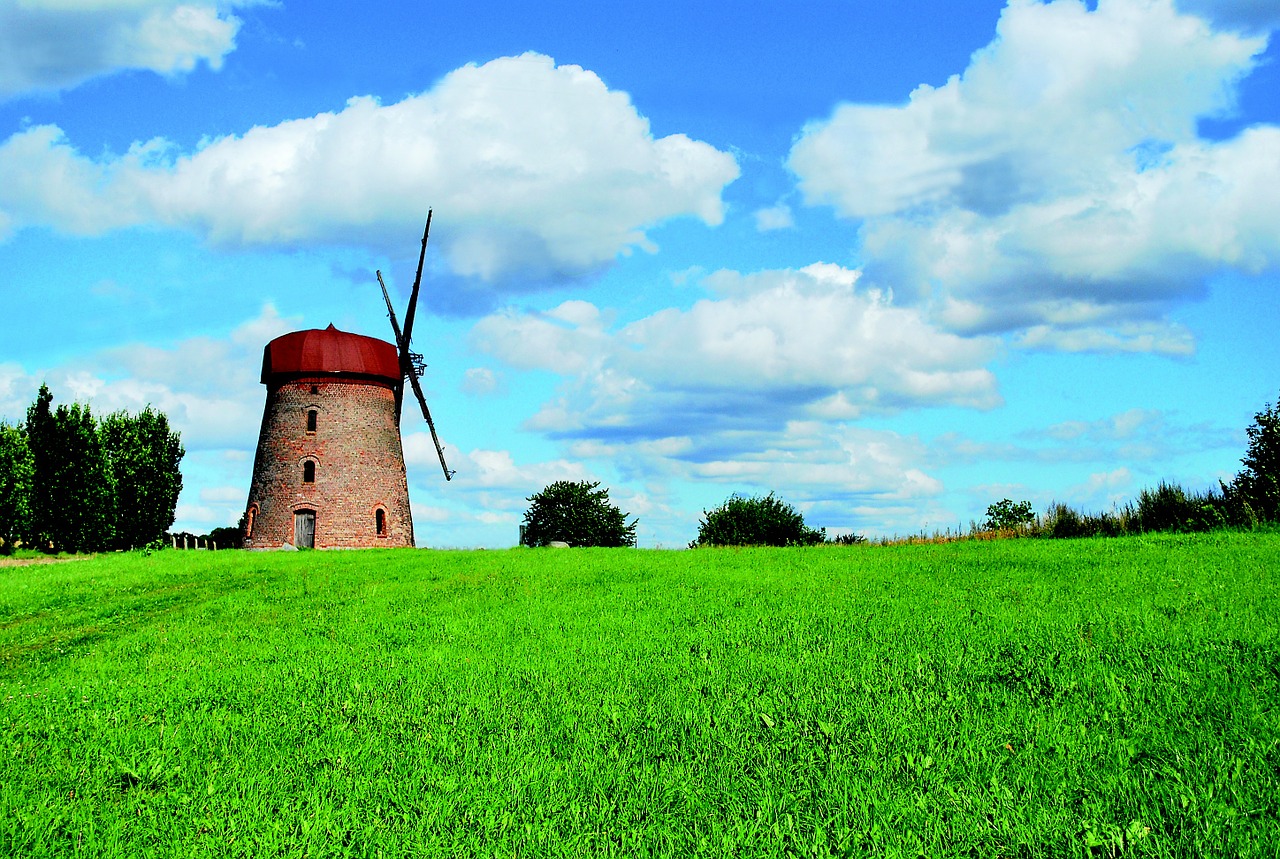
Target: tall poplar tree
[17, 471]
[41, 441]
[73, 497]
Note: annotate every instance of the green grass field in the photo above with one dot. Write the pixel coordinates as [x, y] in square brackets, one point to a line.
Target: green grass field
[1019, 698]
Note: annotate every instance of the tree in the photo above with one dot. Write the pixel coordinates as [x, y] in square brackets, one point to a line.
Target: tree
[1005, 515]
[226, 537]
[767, 521]
[578, 513]
[73, 497]
[1258, 484]
[39, 432]
[144, 455]
[17, 470]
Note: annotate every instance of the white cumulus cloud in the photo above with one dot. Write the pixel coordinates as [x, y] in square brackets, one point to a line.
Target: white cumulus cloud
[1060, 183]
[534, 170]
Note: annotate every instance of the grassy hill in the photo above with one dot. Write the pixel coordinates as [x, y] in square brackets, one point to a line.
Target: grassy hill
[1019, 698]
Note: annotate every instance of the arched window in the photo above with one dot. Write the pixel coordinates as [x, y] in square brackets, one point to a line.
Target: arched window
[312, 415]
[309, 471]
[251, 515]
[380, 521]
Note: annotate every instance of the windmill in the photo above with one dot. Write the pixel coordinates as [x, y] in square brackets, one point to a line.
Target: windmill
[411, 363]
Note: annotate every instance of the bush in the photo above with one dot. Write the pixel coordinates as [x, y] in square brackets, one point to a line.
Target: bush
[577, 513]
[767, 521]
[1169, 507]
[1062, 522]
[1236, 509]
[1160, 509]
[1005, 515]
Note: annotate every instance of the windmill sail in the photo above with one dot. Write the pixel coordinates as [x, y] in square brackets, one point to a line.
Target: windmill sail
[412, 310]
[411, 365]
[395, 327]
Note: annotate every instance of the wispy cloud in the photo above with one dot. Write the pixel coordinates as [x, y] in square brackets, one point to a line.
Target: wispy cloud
[1134, 435]
[1251, 15]
[768, 348]
[50, 46]
[208, 387]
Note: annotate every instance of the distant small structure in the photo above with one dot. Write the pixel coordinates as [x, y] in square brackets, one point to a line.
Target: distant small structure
[329, 470]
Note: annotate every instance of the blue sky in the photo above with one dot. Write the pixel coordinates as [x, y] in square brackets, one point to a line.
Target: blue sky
[893, 262]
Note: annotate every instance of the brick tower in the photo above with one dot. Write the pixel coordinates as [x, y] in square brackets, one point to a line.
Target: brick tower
[329, 471]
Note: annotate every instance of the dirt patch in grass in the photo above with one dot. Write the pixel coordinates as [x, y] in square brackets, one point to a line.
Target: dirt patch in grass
[26, 562]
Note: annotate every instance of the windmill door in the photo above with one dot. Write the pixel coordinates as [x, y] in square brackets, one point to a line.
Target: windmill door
[304, 529]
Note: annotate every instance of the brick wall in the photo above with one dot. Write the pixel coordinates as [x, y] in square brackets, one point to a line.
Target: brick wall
[358, 461]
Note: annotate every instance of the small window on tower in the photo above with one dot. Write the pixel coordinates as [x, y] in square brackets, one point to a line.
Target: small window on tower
[308, 472]
[380, 519]
[311, 420]
[315, 389]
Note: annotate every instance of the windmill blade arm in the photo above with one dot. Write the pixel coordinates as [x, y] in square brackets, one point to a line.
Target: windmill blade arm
[391, 311]
[407, 368]
[402, 348]
[426, 413]
[412, 309]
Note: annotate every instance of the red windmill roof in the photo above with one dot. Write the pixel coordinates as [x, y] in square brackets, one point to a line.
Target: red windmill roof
[316, 352]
